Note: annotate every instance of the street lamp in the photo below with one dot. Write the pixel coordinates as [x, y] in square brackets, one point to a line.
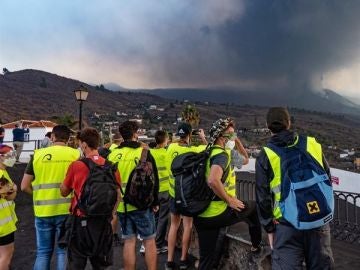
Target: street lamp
[81, 95]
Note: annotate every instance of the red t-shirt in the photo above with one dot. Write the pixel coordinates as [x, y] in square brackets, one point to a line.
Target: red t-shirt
[76, 176]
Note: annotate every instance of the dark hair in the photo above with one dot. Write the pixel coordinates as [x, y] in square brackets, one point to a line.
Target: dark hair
[48, 134]
[90, 136]
[128, 129]
[61, 133]
[277, 119]
[160, 136]
[152, 144]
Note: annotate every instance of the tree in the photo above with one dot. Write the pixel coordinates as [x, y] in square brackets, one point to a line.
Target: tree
[191, 115]
[66, 119]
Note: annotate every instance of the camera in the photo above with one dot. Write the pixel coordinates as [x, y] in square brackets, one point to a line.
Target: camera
[195, 132]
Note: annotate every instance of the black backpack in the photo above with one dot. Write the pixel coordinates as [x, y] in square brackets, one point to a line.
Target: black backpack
[139, 190]
[192, 193]
[99, 192]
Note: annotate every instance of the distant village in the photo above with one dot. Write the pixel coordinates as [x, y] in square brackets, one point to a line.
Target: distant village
[152, 117]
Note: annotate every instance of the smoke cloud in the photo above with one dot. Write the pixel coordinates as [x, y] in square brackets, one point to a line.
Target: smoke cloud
[252, 44]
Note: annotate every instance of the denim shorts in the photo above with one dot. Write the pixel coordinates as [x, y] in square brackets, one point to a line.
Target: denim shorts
[138, 222]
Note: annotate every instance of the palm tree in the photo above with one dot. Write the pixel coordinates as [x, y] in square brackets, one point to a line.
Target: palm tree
[191, 115]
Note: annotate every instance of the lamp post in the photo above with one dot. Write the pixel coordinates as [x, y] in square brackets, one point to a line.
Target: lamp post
[81, 95]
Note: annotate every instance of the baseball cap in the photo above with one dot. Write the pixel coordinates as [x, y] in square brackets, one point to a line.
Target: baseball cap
[184, 129]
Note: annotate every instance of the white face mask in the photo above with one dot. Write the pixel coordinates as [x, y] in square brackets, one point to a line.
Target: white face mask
[230, 144]
[9, 162]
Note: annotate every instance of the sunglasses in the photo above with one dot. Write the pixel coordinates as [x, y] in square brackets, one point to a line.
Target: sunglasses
[230, 136]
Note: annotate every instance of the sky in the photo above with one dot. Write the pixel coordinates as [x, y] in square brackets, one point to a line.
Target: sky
[297, 45]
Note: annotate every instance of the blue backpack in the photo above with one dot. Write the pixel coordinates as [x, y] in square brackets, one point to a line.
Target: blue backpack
[307, 199]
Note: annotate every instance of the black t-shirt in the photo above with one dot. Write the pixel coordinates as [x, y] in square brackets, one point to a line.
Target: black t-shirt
[220, 160]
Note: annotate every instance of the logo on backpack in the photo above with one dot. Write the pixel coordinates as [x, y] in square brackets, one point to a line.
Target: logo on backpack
[192, 193]
[99, 192]
[313, 207]
[307, 200]
[139, 190]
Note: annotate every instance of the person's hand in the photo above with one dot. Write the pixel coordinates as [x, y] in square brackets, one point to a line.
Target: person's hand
[13, 189]
[236, 204]
[201, 133]
[156, 208]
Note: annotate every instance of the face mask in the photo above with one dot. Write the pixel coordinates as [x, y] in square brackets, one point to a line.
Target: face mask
[9, 162]
[230, 144]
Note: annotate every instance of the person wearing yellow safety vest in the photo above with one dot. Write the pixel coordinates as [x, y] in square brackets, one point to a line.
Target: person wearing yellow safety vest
[8, 217]
[173, 150]
[135, 222]
[225, 209]
[290, 246]
[162, 216]
[43, 176]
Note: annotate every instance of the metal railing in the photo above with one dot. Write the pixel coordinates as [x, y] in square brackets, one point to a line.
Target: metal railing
[346, 223]
[29, 145]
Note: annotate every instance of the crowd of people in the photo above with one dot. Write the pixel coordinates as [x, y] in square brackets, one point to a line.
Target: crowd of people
[84, 197]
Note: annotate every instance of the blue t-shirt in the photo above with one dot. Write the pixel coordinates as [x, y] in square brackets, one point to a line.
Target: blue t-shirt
[18, 134]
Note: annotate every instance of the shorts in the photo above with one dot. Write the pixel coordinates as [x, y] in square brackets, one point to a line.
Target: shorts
[7, 239]
[138, 222]
[172, 205]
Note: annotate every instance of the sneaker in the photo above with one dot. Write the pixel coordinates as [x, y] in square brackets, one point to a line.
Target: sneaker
[170, 266]
[142, 249]
[184, 264]
[163, 249]
[256, 251]
[260, 251]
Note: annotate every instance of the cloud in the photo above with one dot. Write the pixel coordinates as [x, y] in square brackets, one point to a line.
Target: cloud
[178, 43]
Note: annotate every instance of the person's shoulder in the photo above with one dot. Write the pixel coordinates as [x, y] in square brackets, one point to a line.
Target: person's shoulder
[78, 165]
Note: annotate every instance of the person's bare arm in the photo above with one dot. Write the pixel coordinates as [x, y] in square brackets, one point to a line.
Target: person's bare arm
[64, 190]
[202, 136]
[241, 149]
[217, 186]
[26, 183]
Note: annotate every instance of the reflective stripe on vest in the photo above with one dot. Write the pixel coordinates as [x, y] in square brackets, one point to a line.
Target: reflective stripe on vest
[50, 167]
[126, 158]
[8, 217]
[313, 148]
[217, 207]
[53, 202]
[173, 150]
[46, 186]
[159, 155]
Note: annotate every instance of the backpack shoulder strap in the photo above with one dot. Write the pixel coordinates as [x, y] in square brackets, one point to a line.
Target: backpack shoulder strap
[144, 154]
[88, 162]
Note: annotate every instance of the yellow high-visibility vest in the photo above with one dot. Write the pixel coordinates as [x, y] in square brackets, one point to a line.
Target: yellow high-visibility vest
[159, 155]
[127, 159]
[8, 217]
[173, 150]
[313, 148]
[50, 167]
[113, 146]
[218, 207]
